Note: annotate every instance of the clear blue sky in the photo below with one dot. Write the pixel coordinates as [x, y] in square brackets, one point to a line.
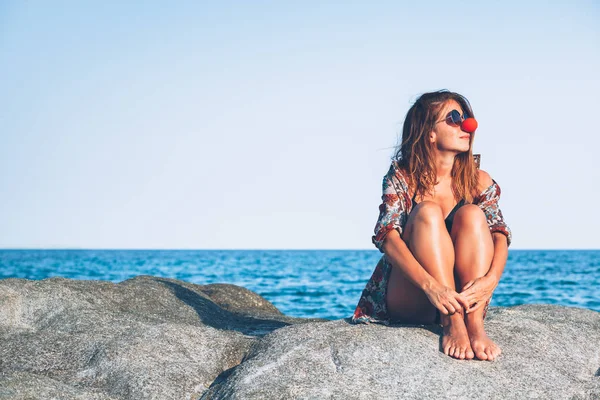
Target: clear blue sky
[270, 126]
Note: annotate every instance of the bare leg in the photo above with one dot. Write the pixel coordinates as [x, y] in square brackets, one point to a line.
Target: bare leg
[474, 249]
[427, 238]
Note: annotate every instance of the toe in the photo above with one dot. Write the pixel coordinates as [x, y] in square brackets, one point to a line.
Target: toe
[496, 351]
[469, 354]
[456, 352]
[481, 355]
[462, 354]
[489, 353]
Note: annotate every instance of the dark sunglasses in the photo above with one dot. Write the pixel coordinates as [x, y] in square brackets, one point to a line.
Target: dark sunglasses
[453, 118]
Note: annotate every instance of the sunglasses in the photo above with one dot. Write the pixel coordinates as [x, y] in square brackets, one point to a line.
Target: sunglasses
[467, 124]
[453, 118]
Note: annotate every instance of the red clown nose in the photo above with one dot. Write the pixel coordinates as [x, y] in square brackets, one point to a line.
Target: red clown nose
[469, 125]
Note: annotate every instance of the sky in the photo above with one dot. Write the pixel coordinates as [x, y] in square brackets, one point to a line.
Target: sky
[270, 125]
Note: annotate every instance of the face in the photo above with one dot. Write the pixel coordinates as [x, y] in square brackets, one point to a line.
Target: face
[446, 137]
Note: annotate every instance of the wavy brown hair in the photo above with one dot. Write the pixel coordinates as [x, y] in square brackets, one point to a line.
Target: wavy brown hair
[415, 153]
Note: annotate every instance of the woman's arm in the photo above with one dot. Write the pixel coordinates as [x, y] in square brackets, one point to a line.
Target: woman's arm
[393, 214]
[500, 256]
[501, 234]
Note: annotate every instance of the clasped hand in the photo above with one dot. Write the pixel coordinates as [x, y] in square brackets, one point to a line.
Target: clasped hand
[474, 295]
[445, 299]
[478, 291]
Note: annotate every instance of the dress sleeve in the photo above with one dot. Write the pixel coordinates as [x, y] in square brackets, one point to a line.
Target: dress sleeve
[488, 202]
[393, 208]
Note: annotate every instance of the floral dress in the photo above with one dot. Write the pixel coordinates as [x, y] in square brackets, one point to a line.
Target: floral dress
[393, 213]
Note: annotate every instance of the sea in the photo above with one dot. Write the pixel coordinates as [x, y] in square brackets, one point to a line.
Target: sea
[310, 283]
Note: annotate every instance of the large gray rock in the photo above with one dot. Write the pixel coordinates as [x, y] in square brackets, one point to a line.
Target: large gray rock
[144, 338]
[157, 338]
[549, 352]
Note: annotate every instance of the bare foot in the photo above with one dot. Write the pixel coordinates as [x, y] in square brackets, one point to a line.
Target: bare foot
[455, 340]
[483, 347]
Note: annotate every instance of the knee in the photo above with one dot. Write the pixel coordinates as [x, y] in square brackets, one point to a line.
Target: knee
[470, 216]
[428, 212]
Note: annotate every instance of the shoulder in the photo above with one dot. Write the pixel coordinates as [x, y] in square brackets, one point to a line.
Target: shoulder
[484, 179]
[395, 177]
[488, 188]
[398, 170]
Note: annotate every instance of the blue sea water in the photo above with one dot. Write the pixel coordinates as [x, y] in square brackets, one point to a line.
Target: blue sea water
[310, 283]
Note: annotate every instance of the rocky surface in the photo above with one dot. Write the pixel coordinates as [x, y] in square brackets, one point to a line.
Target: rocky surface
[549, 352]
[144, 338]
[157, 338]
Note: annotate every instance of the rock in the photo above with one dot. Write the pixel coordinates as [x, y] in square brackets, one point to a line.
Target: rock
[238, 299]
[549, 352]
[144, 338]
[158, 338]
[25, 385]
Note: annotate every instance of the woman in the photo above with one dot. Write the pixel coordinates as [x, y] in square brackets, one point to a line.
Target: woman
[441, 231]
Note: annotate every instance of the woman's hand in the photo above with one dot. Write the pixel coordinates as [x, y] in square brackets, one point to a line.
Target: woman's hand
[445, 299]
[478, 291]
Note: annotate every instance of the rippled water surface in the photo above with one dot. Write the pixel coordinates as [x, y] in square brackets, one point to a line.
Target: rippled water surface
[310, 283]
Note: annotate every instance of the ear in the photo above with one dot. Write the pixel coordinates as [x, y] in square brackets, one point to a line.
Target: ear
[432, 137]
